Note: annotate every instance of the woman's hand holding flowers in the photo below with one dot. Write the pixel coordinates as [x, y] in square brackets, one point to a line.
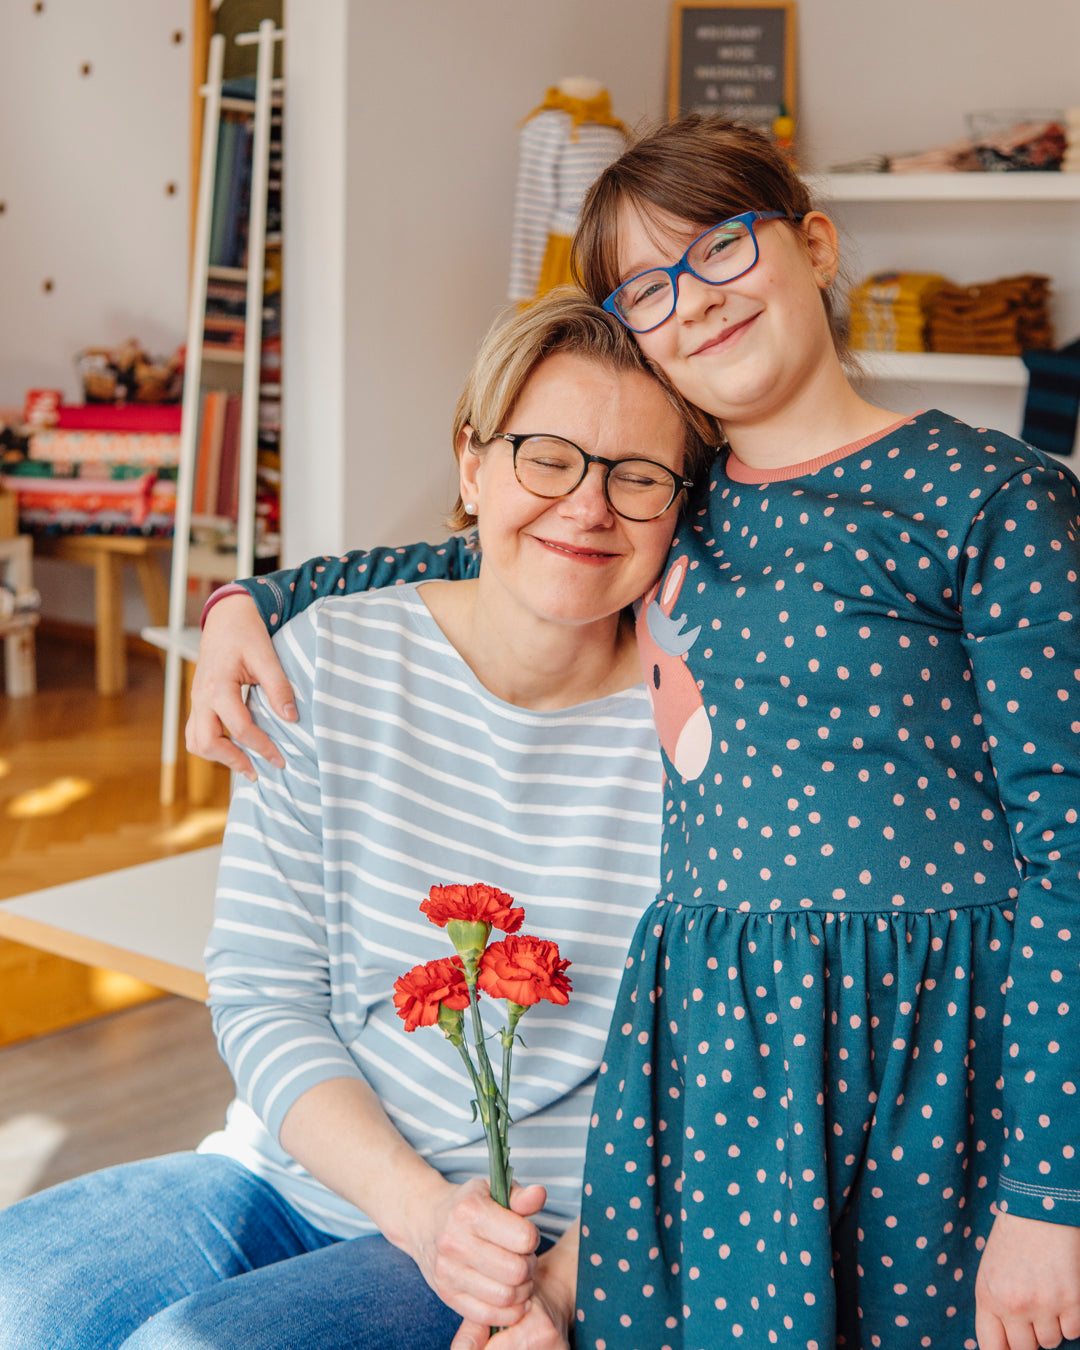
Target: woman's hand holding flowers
[546, 1319]
[477, 1256]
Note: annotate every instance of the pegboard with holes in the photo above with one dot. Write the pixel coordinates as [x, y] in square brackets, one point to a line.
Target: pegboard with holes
[95, 99]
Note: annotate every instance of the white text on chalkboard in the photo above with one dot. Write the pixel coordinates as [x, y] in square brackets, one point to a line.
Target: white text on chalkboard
[717, 32]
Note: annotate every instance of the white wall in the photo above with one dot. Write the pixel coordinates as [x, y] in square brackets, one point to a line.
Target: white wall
[424, 179]
[435, 92]
[86, 161]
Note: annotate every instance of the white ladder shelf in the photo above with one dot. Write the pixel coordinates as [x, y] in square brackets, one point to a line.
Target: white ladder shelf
[179, 641]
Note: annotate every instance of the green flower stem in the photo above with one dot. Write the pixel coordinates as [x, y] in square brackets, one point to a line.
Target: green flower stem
[488, 1102]
[463, 1051]
[514, 1012]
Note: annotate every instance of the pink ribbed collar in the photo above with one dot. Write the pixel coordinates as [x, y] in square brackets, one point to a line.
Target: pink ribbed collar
[743, 473]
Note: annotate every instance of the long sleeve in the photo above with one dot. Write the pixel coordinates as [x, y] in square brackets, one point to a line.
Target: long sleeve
[282, 595]
[267, 959]
[542, 140]
[1020, 603]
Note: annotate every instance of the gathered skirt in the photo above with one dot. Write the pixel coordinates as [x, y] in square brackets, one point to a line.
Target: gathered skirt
[797, 1132]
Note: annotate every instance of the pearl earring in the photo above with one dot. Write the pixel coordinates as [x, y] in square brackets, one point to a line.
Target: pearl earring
[469, 508]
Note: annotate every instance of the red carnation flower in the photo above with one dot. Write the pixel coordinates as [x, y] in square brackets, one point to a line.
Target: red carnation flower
[419, 993]
[477, 903]
[524, 970]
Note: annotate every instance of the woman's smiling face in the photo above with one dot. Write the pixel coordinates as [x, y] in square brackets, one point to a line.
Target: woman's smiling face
[572, 560]
[743, 349]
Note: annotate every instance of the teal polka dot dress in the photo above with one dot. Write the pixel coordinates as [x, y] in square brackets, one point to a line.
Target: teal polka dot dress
[847, 1026]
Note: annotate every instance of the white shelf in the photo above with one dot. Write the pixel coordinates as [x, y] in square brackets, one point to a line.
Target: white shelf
[945, 187]
[1005, 372]
[185, 642]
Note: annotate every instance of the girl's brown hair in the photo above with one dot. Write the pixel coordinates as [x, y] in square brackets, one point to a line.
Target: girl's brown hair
[564, 320]
[701, 169]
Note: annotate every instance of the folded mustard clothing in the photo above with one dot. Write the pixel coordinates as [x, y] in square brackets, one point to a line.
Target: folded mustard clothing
[899, 313]
[976, 346]
[896, 286]
[888, 310]
[1002, 344]
[1027, 288]
[1002, 317]
[888, 323]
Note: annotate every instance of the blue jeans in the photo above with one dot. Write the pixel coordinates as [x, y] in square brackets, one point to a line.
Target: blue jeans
[192, 1251]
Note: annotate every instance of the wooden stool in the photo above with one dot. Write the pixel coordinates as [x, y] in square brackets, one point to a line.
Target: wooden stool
[20, 667]
[106, 554]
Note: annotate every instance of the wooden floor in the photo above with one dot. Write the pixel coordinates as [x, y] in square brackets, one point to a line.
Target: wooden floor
[78, 796]
[79, 778]
[79, 775]
[131, 1085]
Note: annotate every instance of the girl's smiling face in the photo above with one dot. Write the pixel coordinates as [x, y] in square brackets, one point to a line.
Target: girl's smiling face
[746, 349]
[572, 560]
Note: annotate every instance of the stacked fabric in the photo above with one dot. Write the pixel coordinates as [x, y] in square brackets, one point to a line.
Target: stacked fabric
[100, 470]
[888, 311]
[957, 157]
[995, 318]
[1025, 145]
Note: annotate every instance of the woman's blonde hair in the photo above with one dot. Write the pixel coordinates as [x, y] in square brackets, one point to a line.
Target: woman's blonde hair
[563, 321]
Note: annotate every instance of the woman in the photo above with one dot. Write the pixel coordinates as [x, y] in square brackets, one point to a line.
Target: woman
[490, 729]
[851, 993]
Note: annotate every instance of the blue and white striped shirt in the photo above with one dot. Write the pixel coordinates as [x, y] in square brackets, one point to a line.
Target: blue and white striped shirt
[402, 772]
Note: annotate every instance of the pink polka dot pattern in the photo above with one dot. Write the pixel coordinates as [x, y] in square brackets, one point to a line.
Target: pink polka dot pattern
[843, 1029]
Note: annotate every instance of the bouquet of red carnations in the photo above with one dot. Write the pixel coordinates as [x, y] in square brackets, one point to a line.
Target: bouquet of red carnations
[521, 969]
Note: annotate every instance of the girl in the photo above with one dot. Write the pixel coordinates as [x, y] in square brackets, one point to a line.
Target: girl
[842, 1045]
[838, 1102]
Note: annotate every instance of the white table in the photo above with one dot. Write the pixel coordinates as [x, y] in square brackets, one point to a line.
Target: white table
[150, 921]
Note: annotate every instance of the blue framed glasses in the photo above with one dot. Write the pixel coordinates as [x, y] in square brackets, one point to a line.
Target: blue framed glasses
[721, 254]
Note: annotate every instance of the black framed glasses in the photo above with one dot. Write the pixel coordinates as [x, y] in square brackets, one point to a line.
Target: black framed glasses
[551, 466]
[721, 254]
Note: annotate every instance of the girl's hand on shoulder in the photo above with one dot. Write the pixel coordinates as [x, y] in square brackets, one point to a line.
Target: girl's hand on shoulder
[1027, 1293]
[235, 650]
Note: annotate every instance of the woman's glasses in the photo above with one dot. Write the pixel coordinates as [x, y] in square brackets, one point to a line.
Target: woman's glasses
[723, 253]
[549, 466]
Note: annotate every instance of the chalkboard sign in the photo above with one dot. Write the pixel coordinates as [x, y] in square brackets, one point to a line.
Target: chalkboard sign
[737, 60]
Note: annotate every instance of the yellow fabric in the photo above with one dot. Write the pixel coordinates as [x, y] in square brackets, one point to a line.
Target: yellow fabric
[597, 110]
[555, 269]
[888, 311]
